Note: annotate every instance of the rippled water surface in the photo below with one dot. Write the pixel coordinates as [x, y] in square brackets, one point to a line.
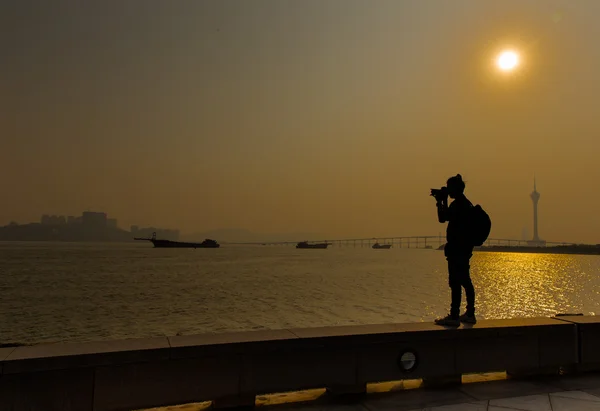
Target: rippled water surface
[80, 292]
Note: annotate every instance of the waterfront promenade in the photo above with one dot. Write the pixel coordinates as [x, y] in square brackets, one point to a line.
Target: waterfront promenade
[339, 364]
[479, 392]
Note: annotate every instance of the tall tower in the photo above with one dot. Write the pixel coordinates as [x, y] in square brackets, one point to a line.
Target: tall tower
[535, 197]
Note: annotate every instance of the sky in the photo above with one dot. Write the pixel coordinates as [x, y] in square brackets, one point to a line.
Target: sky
[333, 116]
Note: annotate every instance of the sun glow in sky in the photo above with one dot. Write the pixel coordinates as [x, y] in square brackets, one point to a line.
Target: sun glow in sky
[329, 119]
[508, 60]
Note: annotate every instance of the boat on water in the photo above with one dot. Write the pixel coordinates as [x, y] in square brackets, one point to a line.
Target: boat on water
[208, 243]
[378, 246]
[306, 244]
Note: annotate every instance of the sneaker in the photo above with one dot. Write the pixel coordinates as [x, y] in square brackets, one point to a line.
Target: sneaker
[448, 321]
[468, 319]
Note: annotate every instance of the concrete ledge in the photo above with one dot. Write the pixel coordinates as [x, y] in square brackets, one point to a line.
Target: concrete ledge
[194, 346]
[49, 390]
[523, 344]
[231, 369]
[147, 385]
[291, 370]
[47, 357]
[372, 334]
[4, 353]
[588, 340]
[379, 363]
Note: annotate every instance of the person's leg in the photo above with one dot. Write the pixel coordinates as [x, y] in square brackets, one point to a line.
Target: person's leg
[463, 272]
[452, 320]
[454, 281]
[470, 292]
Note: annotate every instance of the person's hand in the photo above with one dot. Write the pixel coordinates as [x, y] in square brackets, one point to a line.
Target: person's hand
[440, 195]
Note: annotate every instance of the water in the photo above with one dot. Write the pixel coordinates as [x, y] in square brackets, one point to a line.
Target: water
[82, 292]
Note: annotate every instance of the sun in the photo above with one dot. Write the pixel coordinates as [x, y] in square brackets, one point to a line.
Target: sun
[508, 60]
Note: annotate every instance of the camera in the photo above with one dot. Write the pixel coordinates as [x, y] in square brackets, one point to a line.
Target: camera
[439, 193]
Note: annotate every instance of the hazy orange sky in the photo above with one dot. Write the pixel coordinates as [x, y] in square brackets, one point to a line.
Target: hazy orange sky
[332, 116]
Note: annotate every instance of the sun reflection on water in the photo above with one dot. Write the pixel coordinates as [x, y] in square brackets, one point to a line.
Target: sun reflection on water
[525, 285]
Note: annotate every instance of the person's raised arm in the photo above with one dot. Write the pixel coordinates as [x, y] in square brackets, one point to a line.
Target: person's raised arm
[442, 210]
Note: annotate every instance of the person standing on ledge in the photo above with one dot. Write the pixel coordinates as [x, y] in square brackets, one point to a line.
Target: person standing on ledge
[458, 249]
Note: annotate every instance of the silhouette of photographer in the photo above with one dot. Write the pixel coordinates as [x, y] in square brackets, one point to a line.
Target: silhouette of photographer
[458, 249]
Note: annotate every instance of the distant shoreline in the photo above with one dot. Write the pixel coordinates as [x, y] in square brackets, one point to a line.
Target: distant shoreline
[568, 249]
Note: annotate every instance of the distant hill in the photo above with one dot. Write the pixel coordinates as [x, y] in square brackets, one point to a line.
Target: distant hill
[239, 235]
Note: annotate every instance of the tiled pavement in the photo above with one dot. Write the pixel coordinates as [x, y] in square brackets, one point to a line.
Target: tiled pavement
[569, 393]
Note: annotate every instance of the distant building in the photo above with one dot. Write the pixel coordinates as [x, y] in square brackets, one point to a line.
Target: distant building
[92, 219]
[53, 219]
[90, 226]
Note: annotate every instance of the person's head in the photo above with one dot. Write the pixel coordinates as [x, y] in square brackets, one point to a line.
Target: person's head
[456, 186]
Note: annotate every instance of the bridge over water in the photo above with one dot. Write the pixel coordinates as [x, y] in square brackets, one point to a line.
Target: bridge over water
[422, 241]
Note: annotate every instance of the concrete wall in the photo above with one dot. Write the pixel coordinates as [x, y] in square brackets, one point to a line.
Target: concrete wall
[231, 369]
[588, 329]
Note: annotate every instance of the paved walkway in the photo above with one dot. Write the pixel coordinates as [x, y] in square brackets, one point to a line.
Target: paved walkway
[570, 393]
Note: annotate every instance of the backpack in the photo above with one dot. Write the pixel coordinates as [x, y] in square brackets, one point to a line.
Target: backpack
[480, 225]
